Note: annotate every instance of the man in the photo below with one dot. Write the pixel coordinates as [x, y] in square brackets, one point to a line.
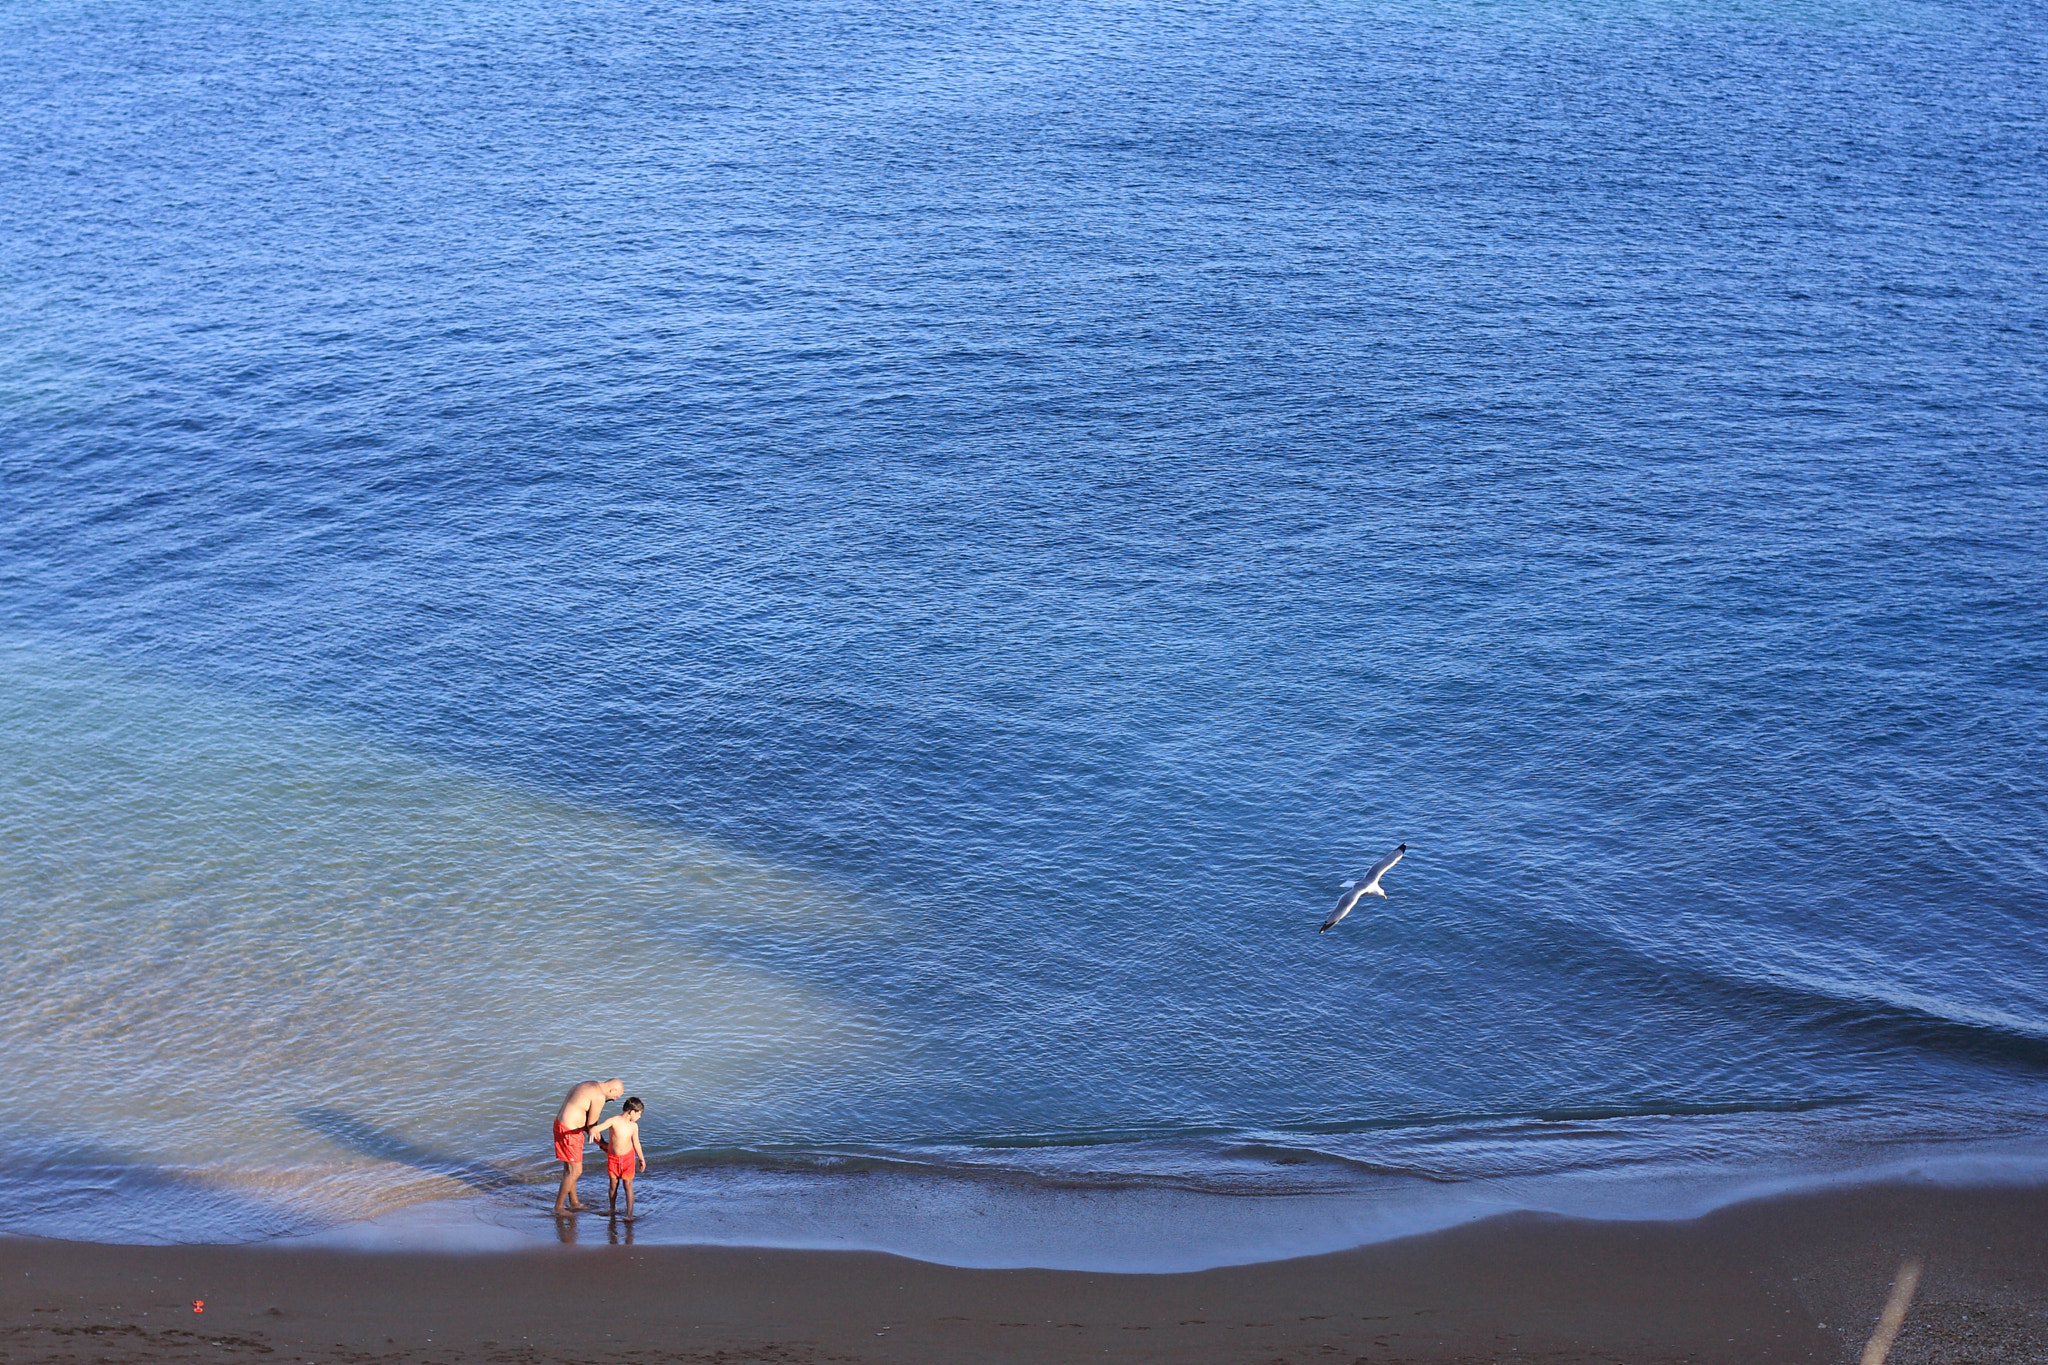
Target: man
[580, 1111]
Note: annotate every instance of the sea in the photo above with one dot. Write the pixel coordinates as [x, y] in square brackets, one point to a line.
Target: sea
[873, 570]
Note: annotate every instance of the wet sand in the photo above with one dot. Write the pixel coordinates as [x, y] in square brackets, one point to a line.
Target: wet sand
[1791, 1279]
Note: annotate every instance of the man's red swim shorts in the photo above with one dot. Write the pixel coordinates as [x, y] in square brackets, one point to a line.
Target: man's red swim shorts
[568, 1144]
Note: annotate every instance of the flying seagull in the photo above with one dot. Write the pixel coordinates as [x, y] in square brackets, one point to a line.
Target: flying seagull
[1368, 885]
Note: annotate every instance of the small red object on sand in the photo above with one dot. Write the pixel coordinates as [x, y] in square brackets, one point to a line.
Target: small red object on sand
[199, 1305]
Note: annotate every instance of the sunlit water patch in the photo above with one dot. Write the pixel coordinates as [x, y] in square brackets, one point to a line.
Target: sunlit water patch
[265, 959]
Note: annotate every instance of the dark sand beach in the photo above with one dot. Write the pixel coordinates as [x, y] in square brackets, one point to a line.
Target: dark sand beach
[1799, 1278]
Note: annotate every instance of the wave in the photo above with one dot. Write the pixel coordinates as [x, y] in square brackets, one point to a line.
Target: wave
[1266, 1159]
[1920, 1022]
[1830, 1005]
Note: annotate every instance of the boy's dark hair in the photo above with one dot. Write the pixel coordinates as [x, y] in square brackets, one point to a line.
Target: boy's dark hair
[632, 1105]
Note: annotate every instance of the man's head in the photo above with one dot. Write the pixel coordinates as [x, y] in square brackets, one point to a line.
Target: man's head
[614, 1088]
[632, 1106]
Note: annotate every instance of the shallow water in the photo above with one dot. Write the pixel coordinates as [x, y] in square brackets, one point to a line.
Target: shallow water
[874, 574]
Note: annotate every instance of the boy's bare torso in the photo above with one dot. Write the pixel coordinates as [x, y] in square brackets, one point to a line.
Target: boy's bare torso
[622, 1135]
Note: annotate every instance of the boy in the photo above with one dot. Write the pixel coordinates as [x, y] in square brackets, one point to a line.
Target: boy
[621, 1137]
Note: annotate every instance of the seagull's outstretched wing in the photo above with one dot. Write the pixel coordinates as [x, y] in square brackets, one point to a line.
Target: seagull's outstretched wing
[1351, 898]
[1379, 869]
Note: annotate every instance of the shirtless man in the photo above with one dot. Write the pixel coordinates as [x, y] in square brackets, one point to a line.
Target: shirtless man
[579, 1112]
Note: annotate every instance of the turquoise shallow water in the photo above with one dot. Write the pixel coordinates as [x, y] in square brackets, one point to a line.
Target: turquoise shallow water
[875, 573]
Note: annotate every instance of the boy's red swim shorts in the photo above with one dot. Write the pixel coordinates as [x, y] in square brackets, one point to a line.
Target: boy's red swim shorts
[619, 1165]
[568, 1143]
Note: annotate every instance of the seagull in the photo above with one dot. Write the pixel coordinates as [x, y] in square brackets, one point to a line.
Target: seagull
[1368, 885]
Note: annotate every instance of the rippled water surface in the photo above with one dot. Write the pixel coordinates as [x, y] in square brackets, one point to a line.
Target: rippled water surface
[873, 570]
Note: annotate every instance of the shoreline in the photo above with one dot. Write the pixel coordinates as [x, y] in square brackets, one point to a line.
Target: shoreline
[970, 1217]
[1797, 1277]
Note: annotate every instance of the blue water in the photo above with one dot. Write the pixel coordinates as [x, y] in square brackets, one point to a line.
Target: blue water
[1056, 489]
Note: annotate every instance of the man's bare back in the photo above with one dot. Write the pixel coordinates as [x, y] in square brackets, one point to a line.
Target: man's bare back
[586, 1102]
